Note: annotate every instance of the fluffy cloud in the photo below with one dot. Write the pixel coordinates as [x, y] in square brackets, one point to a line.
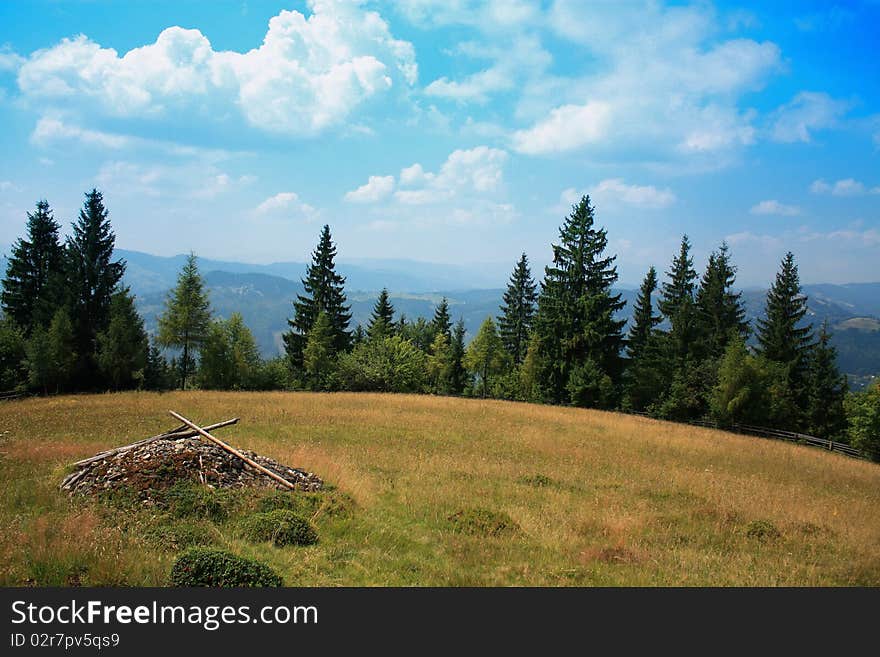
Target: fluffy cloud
[773, 207]
[614, 191]
[50, 130]
[309, 73]
[845, 187]
[567, 128]
[805, 114]
[377, 188]
[187, 179]
[477, 170]
[664, 84]
[285, 205]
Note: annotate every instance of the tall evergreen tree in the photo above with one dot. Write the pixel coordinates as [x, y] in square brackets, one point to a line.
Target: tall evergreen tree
[575, 320]
[720, 310]
[677, 303]
[123, 347]
[826, 417]
[458, 376]
[644, 320]
[382, 318]
[34, 284]
[783, 337]
[185, 322]
[93, 277]
[518, 311]
[442, 322]
[157, 374]
[324, 292]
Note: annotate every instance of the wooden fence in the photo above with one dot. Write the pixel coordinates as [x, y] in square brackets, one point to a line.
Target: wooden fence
[776, 434]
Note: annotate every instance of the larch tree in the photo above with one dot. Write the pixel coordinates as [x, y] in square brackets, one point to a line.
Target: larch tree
[184, 323]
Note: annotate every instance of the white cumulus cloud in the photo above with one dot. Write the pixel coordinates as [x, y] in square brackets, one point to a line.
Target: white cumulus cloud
[805, 114]
[615, 190]
[310, 72]
[567, 128]
[377, 188]
[774, 207]
[844, 187]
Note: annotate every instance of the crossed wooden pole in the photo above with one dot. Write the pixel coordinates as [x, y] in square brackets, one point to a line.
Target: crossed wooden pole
[203, 432]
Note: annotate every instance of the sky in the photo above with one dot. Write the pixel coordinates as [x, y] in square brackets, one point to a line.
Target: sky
[452, 131]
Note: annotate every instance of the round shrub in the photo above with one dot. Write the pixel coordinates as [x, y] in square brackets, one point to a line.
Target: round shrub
[218, 568]
[762, 530]
[282, 527]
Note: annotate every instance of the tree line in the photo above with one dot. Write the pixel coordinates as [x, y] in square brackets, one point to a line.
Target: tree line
[688, 353]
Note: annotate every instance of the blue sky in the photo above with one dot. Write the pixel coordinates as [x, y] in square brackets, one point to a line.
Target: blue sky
[452, 131]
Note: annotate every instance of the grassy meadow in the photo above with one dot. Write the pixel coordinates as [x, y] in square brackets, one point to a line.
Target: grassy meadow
[443, 491]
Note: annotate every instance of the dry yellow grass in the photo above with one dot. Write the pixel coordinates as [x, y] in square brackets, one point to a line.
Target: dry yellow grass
[620, 500]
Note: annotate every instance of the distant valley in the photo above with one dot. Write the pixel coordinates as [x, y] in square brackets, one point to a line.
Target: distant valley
[263, 294]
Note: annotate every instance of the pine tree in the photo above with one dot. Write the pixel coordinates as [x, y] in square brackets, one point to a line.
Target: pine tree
[518, 311]
[827, 390]
[123, 347]
[486, 357]
[720, 311]
[324, 292]
[575, 320]
[441, 322]
[458, 376]
[782, 335]
[358, 336]
[34, 284]
[644, 320]
[318, 355]
[93, 277]
[185, 322]
[382, 318]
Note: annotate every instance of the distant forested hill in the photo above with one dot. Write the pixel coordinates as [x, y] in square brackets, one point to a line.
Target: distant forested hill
[264, 299]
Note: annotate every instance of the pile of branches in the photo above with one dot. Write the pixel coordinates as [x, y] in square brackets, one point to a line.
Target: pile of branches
[186, 453]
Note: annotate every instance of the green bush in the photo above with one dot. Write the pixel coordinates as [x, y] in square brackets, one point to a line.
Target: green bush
[281, 527]
[218, 568]
[537, 480]
[483, 522]
[188, 500]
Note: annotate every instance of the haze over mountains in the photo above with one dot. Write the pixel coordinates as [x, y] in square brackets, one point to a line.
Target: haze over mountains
[263, 295]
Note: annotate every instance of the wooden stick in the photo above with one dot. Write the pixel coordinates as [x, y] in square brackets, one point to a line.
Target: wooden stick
[232, 450]
[179, 432]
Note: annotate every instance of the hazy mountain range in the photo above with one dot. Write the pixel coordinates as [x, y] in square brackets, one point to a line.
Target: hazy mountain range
[263, 294]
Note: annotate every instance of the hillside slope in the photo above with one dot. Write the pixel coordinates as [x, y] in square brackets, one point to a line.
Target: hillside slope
[589, 498]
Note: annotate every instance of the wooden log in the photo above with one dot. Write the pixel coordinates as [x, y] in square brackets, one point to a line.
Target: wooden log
[180, 432]
[235, 452]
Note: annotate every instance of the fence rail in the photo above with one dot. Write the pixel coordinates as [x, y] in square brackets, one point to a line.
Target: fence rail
[776, 434]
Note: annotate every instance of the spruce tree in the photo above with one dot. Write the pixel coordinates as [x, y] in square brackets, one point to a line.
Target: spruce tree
[157, 375]
[826, 417]
[93, 277]
[441, 322]
[518, 311]
[720, 311]
[458, 377]
[13, 368]
[783, 337]
[382, 318]
[677, 302]
[34, 284]
[318, 355]
[575, 320]
[185, 322]
[123, 347]
[324, 292]
[644, 320]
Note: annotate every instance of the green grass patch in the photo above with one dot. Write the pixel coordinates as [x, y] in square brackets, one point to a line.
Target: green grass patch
[282, 527]
[483, 522]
